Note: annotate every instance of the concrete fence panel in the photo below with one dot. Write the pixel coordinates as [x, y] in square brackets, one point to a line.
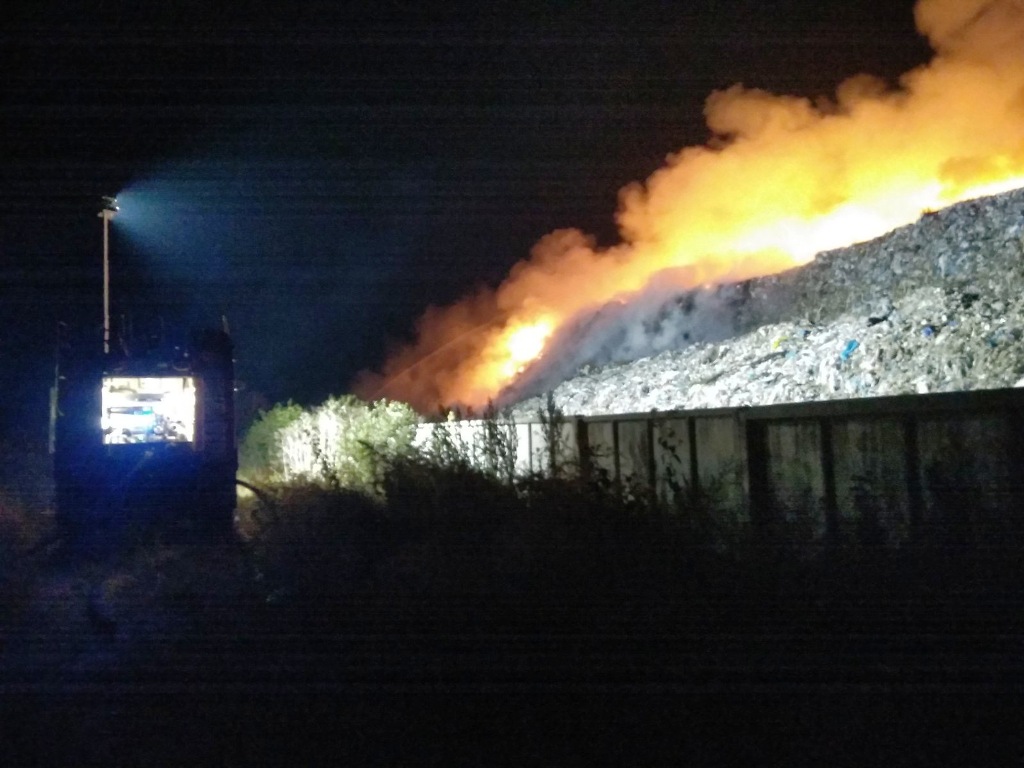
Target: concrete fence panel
[601, 447]
[522, 434]
[636, 459]
[540, 457]
[795, 472]
[886, 468]
[970, 475]
[673, 459]
[720, 445]
[871, 477]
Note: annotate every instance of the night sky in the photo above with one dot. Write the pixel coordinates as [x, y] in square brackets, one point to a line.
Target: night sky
[319, 175]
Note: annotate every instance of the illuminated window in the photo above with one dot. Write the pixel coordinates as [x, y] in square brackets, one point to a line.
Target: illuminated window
[148, 409]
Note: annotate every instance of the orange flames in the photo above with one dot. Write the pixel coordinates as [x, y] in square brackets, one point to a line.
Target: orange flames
[781, 179]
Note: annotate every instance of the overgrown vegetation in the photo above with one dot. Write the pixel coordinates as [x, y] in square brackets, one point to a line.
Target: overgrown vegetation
[25, 491]
[372, 512]
[376, 513]
[356, 504]
[261, 451]
[441, 559]
[343, 443]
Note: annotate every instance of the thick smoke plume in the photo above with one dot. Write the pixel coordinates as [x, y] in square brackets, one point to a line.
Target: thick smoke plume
[781, 179]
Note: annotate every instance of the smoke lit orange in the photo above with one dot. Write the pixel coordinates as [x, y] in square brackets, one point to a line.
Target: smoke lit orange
[781, 180]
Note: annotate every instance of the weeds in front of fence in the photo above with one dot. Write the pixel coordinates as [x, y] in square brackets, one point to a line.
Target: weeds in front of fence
[458, 519]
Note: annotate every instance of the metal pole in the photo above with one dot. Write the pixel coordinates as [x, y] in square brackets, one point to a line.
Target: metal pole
[106, 281]
[107, 213]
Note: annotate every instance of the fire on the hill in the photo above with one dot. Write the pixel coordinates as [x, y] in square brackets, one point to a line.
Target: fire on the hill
[781, 179]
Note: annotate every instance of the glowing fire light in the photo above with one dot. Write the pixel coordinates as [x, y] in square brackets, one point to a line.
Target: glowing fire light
[782, 179]
[523, 345]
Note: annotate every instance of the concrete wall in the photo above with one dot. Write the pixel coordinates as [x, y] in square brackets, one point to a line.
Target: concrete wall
[795, 471]
[674, 461]
[598, 445]
[720, 448]
[870, 471]
[875, 468]
[532, 449]
[970, 473]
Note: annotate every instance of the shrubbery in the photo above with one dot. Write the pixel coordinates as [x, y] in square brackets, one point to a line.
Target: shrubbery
[371, 514]
[25, 473]
[343, 443]
[260, 454]
[25, 494]
[375, 512]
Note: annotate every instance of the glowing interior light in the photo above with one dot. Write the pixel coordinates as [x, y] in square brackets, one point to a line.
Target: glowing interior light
[148, 409]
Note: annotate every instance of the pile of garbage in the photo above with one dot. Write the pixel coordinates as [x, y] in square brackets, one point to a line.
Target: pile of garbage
[937, 306]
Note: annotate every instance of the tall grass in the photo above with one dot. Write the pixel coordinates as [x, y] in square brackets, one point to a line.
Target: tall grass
[441, 523]
[456, 521]
[25, 499]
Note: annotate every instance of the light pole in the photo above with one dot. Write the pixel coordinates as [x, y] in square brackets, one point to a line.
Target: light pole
[106, 213]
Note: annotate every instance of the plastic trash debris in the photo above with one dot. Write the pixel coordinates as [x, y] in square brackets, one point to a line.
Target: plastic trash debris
[997, 337]
[928, 331]
[808, 316]
[968, 299]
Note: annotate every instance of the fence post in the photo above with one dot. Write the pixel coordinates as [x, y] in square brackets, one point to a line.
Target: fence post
[691, 438]
[583, 447]
[828, 473]
[915, 497]
[616, 454]
[755, 436]
[652, 467]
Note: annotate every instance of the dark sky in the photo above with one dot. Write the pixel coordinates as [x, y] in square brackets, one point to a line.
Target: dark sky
[320, 174]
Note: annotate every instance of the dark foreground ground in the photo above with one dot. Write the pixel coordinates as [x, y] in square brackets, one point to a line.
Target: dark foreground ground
[175, 656]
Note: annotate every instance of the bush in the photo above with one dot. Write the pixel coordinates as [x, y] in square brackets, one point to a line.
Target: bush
[26, 494]
[342, 443]
[452, 517]
[26, 476]
[313, 541]
[457, 531]
[354, 440]
[21, 530]
[260, 454]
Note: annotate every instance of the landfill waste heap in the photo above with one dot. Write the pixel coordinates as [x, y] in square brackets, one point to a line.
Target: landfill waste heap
[936, 306]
